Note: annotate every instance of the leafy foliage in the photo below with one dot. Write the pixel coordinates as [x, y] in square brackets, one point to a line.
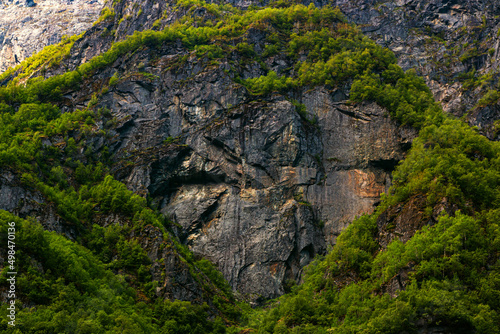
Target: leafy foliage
[48, 57]
[76, 293]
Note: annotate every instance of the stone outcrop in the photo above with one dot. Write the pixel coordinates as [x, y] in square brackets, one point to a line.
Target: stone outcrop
[404, 219]
[26, 27]
[253, 185]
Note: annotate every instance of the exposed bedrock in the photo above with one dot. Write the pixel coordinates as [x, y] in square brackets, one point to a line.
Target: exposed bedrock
[253, 186]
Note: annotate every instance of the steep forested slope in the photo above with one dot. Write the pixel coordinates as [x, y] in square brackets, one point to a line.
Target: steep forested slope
[253, 137]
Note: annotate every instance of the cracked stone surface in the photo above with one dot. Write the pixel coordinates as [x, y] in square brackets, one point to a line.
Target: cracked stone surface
[27, 26]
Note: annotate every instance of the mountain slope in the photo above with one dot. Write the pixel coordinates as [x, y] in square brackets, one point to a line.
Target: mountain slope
[260, 134]
[192, 126]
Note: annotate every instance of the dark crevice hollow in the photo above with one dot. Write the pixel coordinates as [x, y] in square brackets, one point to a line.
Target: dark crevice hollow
[386, 165]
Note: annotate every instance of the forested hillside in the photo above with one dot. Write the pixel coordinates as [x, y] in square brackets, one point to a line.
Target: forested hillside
[180, 164]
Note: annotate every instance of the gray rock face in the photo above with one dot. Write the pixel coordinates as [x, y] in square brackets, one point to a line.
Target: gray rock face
[253, 186]
[26, 27]
[256, 195]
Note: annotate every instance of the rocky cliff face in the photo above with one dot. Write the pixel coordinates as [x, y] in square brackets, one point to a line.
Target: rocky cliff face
[27, 27]
[254, 186]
